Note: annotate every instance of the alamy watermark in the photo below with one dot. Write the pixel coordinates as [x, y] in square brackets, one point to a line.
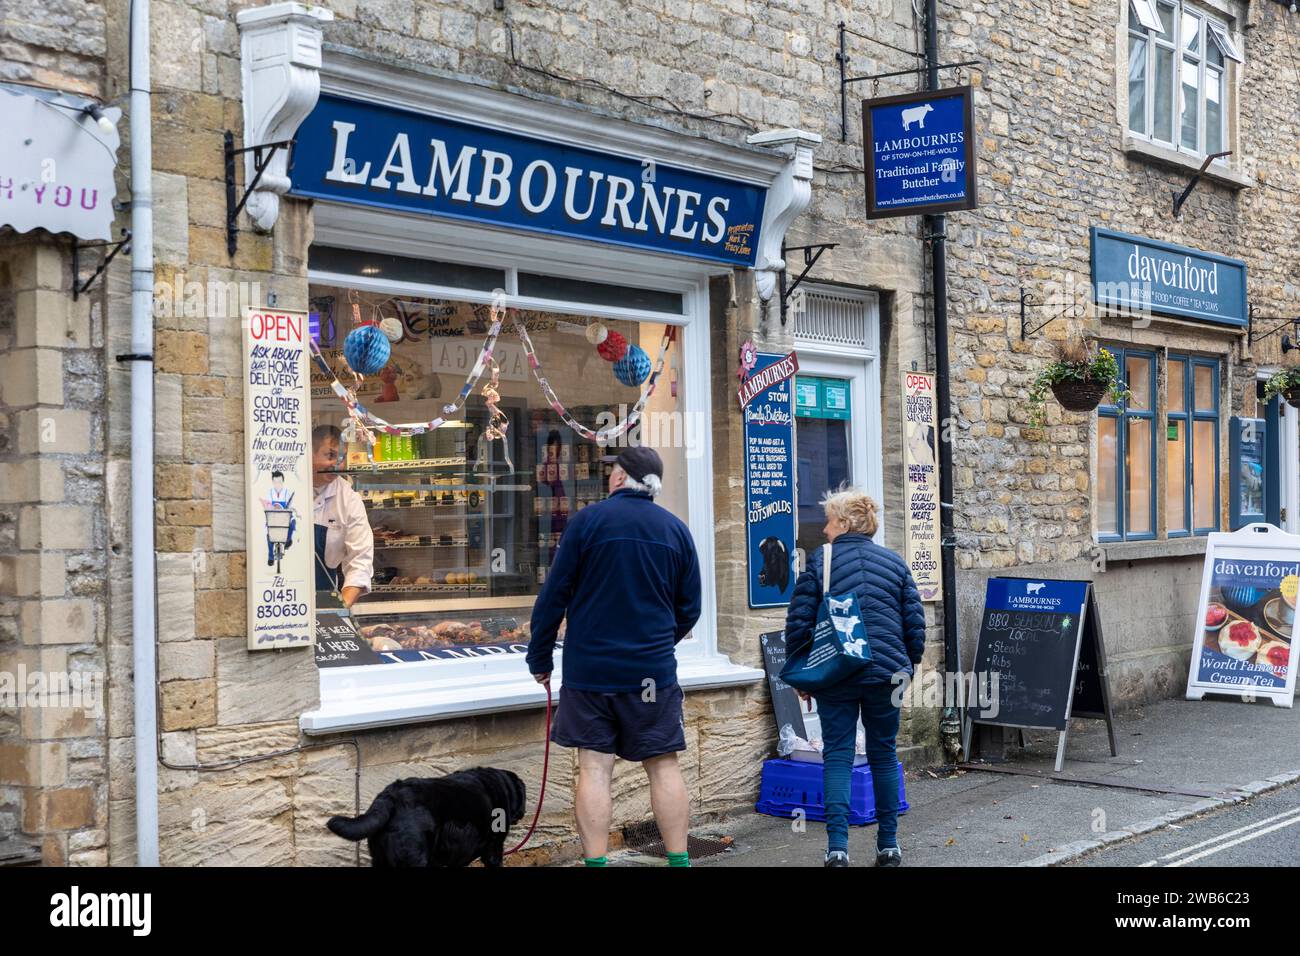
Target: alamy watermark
[83, 690]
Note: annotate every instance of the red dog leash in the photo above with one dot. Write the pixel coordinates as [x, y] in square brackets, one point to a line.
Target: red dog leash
[546, 763]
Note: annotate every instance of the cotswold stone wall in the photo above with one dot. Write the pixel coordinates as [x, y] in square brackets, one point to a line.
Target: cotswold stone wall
[54, 531]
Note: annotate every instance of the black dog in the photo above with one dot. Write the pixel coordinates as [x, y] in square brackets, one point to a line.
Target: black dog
[776, 564]
[444, 821]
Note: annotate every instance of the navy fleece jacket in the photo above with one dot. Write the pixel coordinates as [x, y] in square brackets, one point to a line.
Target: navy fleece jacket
[627, 577]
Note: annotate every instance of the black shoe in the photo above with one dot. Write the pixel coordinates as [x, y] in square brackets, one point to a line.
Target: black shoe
[889, 856]
[837, 858]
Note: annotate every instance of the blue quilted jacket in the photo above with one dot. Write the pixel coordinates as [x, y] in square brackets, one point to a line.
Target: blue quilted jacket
[892, 612]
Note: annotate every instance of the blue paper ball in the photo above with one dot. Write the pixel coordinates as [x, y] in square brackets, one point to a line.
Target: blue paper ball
[367, 349]
[633, 368]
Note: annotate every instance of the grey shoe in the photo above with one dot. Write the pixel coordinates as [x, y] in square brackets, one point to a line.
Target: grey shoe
[837, 858]
[889, 856]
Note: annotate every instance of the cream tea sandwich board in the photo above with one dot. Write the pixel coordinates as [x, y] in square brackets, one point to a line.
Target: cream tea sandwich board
[1243, 644]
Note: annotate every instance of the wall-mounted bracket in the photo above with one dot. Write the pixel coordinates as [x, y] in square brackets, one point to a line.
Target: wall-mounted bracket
[260, 164]
[1029, 301]
[811, 254]
[1288, 343]
[1180, 198]
[80, 288]
[843, 58]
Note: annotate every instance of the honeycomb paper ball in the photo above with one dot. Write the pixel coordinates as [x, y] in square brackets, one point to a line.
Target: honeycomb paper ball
[633, 368]
[367, 349]
[392, 329]
[613, 348]
[596, 333]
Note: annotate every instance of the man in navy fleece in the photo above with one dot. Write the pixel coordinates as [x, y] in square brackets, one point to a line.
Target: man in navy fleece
[627, 577]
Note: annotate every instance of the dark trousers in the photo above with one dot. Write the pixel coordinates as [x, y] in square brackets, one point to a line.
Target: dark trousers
[839, 708]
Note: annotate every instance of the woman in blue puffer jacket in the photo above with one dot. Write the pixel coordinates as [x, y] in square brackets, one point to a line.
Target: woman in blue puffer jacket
[894, 619]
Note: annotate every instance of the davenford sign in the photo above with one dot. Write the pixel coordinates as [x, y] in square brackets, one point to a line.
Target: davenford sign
[360, 152]
[277, 480]
[1133, 274]
[920, 155]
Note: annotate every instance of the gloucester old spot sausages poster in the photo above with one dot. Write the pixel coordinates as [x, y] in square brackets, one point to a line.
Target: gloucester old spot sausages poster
[921, 483]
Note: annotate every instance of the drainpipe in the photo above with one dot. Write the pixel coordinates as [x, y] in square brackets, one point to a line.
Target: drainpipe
[143, 581]
[935, 226]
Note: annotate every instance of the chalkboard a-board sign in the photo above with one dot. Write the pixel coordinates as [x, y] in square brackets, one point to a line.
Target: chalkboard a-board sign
[1042, 640]
[337, 642]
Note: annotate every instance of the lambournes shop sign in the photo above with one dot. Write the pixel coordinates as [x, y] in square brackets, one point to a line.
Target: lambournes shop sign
[920, 155]
[358, 152]
[1132, 274]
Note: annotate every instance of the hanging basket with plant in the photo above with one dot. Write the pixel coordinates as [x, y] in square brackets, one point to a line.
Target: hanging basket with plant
[1285, 382]
[1079, 377]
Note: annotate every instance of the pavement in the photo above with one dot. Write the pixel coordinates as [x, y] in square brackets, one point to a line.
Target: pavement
[1178, 761]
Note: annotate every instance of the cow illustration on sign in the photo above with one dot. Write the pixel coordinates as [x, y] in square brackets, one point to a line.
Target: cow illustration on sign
[916, 114]
[1034, 588]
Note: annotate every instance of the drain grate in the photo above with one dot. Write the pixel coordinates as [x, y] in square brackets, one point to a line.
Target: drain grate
[645, 838]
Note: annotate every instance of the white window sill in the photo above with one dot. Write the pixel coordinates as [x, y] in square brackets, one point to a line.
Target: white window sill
[427, 696]
[1143, 149]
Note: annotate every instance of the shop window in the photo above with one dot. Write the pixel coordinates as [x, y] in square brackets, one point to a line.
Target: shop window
[1178, 76]
[1192, 489]
[1126, 454]
[466, 523]
[822, 438]
[1128, 446]
[383, 267]
[599, 293]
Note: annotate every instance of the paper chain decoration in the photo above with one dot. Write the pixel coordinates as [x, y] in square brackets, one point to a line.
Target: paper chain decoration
[605, 435]
[367, 420]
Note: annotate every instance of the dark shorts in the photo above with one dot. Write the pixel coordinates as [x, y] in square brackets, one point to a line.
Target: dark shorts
[620, 723]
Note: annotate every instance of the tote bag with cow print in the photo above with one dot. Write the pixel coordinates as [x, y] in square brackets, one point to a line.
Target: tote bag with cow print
[839, 648]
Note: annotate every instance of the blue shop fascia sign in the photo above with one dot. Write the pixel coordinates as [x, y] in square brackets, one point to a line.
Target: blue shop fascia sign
[1133, 274]
[352, 151]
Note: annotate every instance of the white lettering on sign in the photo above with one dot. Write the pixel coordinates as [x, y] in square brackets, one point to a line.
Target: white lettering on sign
[488, 179]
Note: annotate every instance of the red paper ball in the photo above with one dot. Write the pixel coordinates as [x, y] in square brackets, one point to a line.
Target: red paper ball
[613, 348]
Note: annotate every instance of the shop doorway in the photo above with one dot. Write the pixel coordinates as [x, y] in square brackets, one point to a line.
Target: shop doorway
[1281, 459]
[837, 403]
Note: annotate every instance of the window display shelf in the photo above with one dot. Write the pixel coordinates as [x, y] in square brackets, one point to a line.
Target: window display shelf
[477, 588]
[454, 543]
[414, 464]
[440, 510]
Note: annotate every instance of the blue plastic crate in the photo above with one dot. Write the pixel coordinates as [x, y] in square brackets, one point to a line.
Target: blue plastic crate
[790, 785]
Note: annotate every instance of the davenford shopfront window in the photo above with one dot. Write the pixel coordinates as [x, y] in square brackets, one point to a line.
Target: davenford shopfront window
[1129, 442]
[467, 516]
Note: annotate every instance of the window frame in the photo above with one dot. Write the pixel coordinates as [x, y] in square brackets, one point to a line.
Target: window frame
[1202, 415]
[1122, 414]
[1210, 30]
[413, 692]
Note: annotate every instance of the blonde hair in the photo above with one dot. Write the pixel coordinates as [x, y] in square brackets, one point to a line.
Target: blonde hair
[854, 507]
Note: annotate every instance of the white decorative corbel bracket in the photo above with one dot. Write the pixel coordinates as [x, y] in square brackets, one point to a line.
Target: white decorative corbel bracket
[788, 196]
[280, 51]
